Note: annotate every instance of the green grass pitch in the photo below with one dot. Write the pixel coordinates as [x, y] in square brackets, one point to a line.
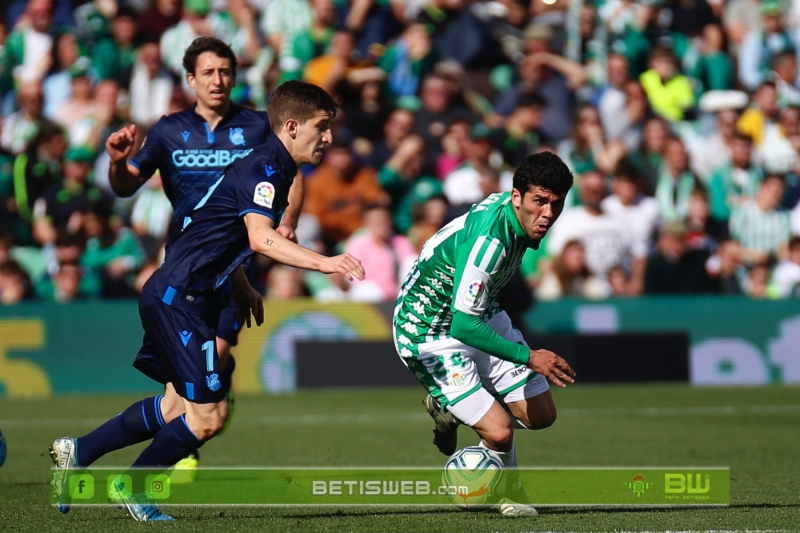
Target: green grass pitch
[755, 431]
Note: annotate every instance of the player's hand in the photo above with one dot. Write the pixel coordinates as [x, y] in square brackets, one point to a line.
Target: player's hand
[248, 302]
[287, 232]
[345, 264]
[551, 366]
[120, 143]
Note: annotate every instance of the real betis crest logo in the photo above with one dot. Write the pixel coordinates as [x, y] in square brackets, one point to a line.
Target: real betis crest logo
[638, 486]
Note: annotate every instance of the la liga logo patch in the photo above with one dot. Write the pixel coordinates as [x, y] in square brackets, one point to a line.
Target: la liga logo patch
[264, 194]
[474, 291]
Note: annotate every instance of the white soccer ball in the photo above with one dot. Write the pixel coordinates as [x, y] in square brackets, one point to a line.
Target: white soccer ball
[474, 478]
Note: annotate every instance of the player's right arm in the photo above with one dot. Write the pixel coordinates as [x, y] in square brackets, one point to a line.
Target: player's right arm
[124, 177]
[268, 242]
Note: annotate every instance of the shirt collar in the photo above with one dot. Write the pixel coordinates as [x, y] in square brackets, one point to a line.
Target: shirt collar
[516, 227]
[284, 158]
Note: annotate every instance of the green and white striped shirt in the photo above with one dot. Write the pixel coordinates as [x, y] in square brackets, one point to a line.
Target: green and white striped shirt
[462, 269]
[759, 230]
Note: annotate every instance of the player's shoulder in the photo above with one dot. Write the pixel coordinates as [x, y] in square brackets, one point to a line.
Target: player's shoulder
[250, 113]
[488, 215]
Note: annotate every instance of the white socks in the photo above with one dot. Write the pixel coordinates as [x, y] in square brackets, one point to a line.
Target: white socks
[509, 459]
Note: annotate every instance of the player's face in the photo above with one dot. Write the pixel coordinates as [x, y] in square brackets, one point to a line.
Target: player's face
[312, 136]
[537, 210]
[212, 80]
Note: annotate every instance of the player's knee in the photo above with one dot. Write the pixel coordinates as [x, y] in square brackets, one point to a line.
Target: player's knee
[500, 438]
[209, 427]
[543, 419]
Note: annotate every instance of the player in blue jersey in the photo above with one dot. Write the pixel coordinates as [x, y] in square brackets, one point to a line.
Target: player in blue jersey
[180, 304]
[190, 149]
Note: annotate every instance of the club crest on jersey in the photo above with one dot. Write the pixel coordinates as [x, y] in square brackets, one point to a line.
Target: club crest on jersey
[474, 291]
[264, 194]
[236, 136]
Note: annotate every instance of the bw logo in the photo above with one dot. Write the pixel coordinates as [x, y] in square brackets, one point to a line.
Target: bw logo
[679, 483]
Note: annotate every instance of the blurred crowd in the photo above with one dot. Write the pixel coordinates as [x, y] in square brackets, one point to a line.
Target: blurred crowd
[679, 118]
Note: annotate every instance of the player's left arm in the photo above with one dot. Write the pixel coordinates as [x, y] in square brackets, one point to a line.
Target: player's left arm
[288, 224]
[248, 300]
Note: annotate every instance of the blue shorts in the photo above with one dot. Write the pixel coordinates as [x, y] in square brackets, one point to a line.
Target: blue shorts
[229, 328]
[180, 347]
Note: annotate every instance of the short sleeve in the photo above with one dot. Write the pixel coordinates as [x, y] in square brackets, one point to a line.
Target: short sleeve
[476, 263]
[262, 189]
[148, 159]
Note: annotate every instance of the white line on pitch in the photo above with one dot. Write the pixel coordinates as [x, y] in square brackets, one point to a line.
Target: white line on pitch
[356, 418]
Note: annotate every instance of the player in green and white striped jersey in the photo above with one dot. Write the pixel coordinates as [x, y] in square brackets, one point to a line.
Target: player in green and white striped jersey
[450, 332]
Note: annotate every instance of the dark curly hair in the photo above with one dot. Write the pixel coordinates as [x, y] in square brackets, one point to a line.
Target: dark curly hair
[545, 170]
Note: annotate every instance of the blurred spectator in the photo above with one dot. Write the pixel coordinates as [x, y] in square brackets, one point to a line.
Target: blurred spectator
[63, 205]
[757, 283]
[453, 143]
[587, 150]
[703, 232]
[712, 151]
[669, 92]
[760, 120]
[619, 282]
[622, 104]
[161, 15]
[649, 158]
[761, 45]
[28, 47]
[15, 285]
[741, 18]
[549, 76]
[310, 43]
[401, 178]
[607, 242]
[93, 20]
[40, 166]
[784, 74]
[428, 218]
[569, 276]
[80, 115]
[675, 182]
[713, 70]
[488, 183]
[340, 71]
[438, 110]
[66, 283]
[462, 185]
[737, 181]
[281, 22]
[115, 255]
[408, 61]
[675, 269]
[21, 127]
[638, 213]
[285, 283]
[113, 56]
[761, 225]
[726, 267]
[57, 86]
[151, 214]
[520, 135]
[397, 127]
[387, 256]
[339, 190]
[786, 276]
[151, 86]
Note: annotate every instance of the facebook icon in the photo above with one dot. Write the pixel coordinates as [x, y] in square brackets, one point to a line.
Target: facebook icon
[81, 487]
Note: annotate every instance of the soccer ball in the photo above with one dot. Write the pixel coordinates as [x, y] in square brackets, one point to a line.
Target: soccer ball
[474, 478]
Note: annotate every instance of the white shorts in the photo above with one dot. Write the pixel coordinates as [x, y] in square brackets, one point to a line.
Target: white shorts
[465, 380]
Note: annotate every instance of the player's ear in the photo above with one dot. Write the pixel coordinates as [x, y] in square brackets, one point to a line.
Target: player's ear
[190, 79]
[516, 198]
[291, 128]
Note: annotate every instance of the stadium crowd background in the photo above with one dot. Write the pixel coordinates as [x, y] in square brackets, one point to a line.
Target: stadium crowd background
[680, 120]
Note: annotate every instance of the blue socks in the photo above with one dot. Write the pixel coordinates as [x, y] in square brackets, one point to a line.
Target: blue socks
[174, 442]
[138, 423]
